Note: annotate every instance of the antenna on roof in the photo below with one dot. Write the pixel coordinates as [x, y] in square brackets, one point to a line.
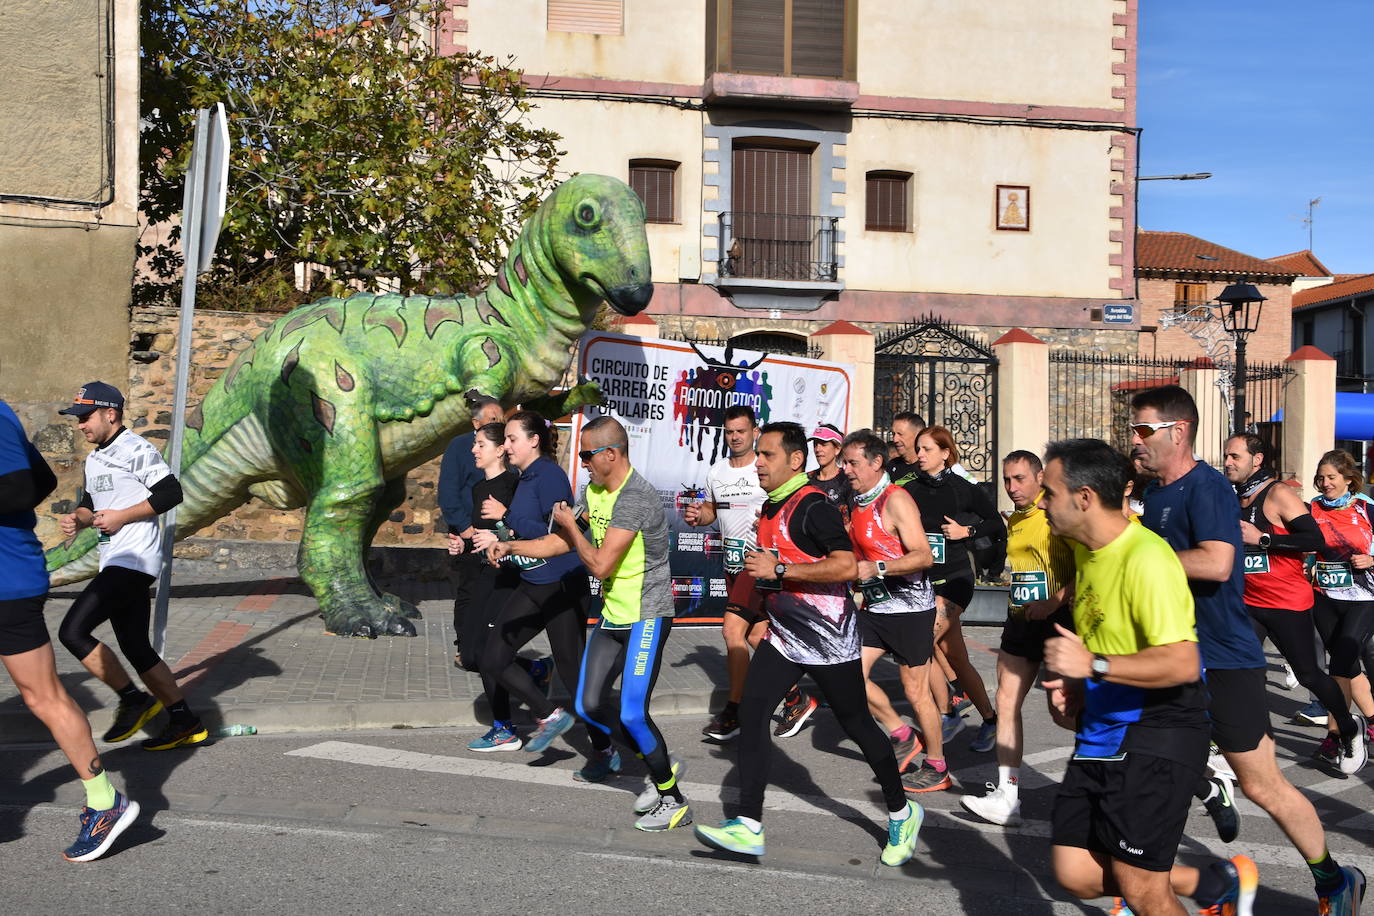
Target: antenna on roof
[1310, 220]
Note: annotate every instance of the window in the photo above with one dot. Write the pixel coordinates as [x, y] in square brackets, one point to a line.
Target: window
[655, 180]
[782, 37]
[886, 201]
[1190, 295]
[599, 17]
[772, 342]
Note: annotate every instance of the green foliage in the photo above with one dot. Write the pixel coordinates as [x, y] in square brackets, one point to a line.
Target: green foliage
[355, 146]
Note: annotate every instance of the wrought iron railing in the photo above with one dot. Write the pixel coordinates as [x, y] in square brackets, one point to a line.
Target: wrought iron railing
[778, 246]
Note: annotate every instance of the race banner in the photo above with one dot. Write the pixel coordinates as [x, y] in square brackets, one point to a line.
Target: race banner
[672, 397]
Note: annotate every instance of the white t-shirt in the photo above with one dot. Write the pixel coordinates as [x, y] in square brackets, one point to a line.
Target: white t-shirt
[738, 498]
[118, 476]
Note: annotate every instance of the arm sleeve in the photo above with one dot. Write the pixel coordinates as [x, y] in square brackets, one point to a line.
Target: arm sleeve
[1303, 535]
[86, 502]
[164, 494]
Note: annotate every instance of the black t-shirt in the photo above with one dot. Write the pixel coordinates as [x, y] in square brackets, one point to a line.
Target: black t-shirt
[837, 489]
[902, 471]
[816, 526]
[953, 496]
[501, 488]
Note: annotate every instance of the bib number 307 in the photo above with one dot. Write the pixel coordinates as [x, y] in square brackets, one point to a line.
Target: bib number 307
[1334, 575]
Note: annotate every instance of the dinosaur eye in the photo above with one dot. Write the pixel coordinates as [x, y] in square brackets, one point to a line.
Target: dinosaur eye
[588, 214]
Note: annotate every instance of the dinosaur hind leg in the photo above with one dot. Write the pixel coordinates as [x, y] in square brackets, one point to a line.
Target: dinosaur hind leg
[392, 496]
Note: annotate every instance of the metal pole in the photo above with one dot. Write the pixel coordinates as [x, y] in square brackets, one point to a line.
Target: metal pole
[1238, 386]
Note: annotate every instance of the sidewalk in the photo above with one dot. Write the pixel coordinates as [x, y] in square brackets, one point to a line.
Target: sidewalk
[254, 652]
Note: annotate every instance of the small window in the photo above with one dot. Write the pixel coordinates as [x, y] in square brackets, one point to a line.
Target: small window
[598, 17]
[886, 202]
[655, 181]
[1189, 295]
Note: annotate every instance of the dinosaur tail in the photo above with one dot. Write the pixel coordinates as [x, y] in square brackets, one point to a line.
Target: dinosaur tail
[74, 559]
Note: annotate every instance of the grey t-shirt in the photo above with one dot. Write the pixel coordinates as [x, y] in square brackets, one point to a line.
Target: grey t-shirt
[640, 588]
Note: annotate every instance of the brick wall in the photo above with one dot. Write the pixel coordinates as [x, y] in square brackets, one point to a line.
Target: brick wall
[1272, 343]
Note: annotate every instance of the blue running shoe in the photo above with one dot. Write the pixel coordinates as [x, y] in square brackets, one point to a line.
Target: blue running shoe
[501, 737]
[541, 672]
[1239, 899]
[600, 767]
[732, 836]
[986, 739]
[559, 721]
[1313, 713]
[1347, 900]
[951, 725]
[99, 829]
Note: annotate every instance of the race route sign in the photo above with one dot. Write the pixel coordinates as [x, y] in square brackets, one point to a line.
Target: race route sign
[672, 397]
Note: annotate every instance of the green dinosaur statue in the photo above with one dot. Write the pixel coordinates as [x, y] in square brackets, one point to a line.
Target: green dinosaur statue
[337, 400]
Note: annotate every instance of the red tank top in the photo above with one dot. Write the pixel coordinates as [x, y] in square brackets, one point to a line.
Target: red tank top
[1285, 585]
[871, 540]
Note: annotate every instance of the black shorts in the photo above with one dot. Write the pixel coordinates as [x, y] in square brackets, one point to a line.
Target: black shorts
[1133, 810]
[909, 637]
[742, 599]
[959, 591]
[1238, 708]
[22, 628]
[1026, 638]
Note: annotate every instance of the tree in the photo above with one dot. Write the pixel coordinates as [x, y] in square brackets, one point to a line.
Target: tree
[354, 146]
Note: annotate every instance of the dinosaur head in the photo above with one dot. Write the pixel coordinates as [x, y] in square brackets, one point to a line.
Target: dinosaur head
[600, 246]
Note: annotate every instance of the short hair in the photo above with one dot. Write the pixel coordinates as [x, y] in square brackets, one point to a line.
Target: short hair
[619, 439]
[1094, 464]
[907, 416]
[1255, 446]
[1030, 458]
[944, 439]
[874, 448]
[1172, 403]
[740, 411]
[534, 424]
[793, 436]
[478, 401]
[1344, 464]
[495, 432]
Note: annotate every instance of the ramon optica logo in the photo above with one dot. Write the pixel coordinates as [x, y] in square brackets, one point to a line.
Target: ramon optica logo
[689, 586]
[702, 394]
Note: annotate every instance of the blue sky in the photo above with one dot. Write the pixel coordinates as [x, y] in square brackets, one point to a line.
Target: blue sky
[1276, 99]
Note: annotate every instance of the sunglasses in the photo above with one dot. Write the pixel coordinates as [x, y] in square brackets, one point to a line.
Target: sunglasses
[586, 455]
[1146, 430]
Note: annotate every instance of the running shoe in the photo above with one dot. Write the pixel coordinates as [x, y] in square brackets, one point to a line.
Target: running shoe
[794, 715]
[732, 836]
[1290, 680]
[1216, 760]
[99, 829]
[558, 721]
[1329, 751]
[1347, 900]
[986, 739]
[649, 797]
[1119, 908]
[901, 836]
[1239, 899]
[997, 807]
[958, 702]
[1221, 807]
[926, 779]
[177, 734]
[1313, 713]
[131, 715]
[600, 767]
[1354, 754]
[667, 814]
[723, 726]
[500, 737]
[907, 750]
[951, 725]
[541, 672]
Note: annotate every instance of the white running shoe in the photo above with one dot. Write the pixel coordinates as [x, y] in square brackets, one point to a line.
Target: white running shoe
[1354, 752]
[997, 807]
[1290, 680]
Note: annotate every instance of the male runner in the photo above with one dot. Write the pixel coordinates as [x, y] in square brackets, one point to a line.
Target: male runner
[898, 614]
[1277, 530]
[805, 565]
[1131, 687]
[25, 481]
[733, 498]
[906, 426]
[1039, 599]
[128, 486]
[628, 552]
[1195, 510]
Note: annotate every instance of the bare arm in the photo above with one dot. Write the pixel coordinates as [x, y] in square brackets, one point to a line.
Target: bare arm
[1209, 561]
[839, 566]
[602, 561]
[1152, 667]
[905, 518]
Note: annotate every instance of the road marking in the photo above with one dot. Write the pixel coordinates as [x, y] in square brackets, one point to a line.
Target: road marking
[164, 817]
[733, 870]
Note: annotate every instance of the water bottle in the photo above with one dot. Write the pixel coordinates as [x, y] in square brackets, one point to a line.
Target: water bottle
[234, 731]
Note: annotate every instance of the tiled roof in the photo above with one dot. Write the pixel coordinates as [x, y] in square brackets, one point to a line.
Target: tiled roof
[1304, 262]
[1179, 252]
[1341, 289]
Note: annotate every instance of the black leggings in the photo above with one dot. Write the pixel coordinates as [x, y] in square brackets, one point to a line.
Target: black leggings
[122, 597]
[556, 608]
[771, 675]
[1345, 627]
[483, 592]
[1291, 633]
[606, 659]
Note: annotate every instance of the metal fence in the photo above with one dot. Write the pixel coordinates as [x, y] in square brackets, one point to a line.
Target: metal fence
[778, 246]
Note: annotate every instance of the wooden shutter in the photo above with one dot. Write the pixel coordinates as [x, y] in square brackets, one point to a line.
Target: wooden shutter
[885, 204]
[599, 17]
[818, 38]
[653, 182]
[756, 35]
[771, 208]
[1190, 294]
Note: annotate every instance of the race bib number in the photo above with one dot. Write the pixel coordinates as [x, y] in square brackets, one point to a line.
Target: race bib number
[734, 555]
[1027, 587]
[1335, 575]
[526, 563]
[875, 591]
[937, 546]
[1256, 561]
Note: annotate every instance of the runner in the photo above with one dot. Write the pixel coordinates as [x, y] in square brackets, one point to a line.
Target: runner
[1131, 688]
[628, 552]
[128, 486]
[898, 615]
[804, 565]
[1277, 530]
[1040, 598]
[829, 476]
[733, 498]
[25, 481]
[553, 595]
[1192, 507]
[906, 426]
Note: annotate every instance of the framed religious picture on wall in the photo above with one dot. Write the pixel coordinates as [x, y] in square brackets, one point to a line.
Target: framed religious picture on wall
[1013, 207]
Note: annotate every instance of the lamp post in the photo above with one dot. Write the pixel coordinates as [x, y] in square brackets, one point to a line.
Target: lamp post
[1240, 314]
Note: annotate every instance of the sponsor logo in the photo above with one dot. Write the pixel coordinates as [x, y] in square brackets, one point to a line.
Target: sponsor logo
[689, 586]
[1131, 849]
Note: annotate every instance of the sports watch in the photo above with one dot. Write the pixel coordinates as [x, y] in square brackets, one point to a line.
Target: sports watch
[1100, 667]
[779, 570]
[882, 568]
[1265, 539]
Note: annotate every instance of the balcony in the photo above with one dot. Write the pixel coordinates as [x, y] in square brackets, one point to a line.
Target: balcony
[792, 53]
[779, 248]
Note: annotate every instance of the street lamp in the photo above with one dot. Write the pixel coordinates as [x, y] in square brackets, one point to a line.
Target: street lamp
[1240, 314]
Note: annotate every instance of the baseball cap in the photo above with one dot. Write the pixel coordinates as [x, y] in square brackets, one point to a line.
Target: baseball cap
[94, 395]
[826, 433]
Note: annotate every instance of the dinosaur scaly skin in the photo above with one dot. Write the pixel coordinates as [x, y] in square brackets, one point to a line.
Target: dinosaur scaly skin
[337, 400]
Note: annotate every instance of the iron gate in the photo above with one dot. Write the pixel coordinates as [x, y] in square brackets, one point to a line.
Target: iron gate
[946, 376]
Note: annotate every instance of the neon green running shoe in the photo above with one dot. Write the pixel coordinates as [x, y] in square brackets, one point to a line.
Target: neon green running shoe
[901, 836]
[732, 836]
